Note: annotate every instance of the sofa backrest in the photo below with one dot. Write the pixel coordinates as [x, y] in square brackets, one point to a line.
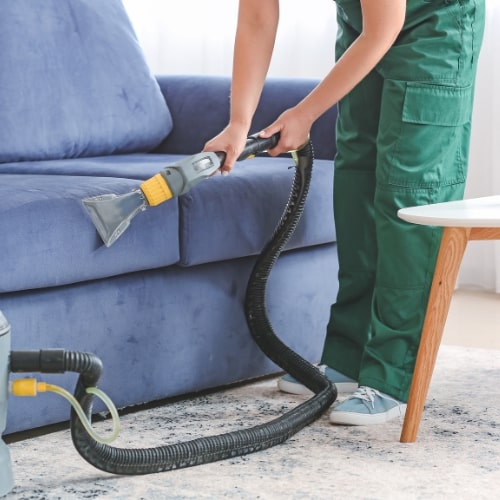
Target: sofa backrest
[74, 82]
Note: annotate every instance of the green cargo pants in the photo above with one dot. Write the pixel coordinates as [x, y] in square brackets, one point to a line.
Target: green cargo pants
[402, 140]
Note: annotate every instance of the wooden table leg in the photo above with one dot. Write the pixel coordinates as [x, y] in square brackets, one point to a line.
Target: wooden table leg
[448, 262]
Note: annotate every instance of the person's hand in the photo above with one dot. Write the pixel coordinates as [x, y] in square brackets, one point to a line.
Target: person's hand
[232, 141]
[294, 127]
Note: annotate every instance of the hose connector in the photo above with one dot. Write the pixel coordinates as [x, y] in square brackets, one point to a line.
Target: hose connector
[27, 387]
[44, 361]
[30, 387]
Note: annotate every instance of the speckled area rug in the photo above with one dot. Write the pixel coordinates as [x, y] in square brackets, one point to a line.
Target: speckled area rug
[457, 454]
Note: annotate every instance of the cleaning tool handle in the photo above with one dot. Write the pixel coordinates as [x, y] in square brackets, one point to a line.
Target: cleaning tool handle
[256, 144]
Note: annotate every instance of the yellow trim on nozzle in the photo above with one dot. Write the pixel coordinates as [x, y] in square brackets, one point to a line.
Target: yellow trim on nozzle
[156, 190]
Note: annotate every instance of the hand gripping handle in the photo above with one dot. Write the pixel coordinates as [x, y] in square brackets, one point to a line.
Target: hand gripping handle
[256, 144]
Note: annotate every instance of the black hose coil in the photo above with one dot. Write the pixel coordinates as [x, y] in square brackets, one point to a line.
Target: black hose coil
[236, 443]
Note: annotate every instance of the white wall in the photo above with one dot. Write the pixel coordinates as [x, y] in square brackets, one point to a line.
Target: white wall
[196, 36]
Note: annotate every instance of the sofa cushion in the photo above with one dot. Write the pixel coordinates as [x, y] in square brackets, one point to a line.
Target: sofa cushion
[199, 105]
[222, 218]
[234, 216]
[131, 166]
[74, 82]
[59, 244]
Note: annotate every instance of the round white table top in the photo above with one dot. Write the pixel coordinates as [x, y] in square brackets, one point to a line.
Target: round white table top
[475, 212]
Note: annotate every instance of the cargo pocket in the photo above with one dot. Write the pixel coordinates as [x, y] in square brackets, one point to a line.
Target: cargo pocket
[431, 147]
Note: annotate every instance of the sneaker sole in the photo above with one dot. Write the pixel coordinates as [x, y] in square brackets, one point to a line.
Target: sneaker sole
[302, 390]
[351, 418]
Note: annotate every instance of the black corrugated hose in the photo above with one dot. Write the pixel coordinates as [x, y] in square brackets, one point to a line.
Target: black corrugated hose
[212, 448]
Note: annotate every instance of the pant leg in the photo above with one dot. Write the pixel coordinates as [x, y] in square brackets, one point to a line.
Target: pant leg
[430, 168]
[423, 147]
[349, 327]
[406, 127]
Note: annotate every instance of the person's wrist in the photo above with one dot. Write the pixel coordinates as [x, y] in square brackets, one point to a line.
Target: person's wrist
[306, 115]
[241, 126]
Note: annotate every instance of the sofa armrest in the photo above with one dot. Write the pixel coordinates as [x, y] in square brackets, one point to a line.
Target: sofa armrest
[200, 109]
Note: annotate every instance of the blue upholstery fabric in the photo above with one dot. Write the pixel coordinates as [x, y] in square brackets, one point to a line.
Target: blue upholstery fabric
[48, 208]
[169, 331]
[59, 243]
[234, 216]
[74, 82]
[131, 166]
[200, 109]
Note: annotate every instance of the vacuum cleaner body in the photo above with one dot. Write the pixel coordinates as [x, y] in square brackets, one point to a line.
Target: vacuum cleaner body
[6, 476]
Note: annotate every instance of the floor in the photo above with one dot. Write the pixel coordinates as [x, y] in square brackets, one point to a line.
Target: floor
[457, 453]
[474, 320]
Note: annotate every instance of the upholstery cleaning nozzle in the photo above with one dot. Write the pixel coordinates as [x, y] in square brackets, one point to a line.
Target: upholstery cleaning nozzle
[112, 213]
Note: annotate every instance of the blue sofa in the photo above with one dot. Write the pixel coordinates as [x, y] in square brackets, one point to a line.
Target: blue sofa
[163, 306]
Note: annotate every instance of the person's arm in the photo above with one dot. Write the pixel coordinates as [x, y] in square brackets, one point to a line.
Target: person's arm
[254, 44]
[382, 23]
[257, 25]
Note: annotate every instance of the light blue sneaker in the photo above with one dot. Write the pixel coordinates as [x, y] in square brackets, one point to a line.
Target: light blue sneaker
[292, 386]
[367, 406]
